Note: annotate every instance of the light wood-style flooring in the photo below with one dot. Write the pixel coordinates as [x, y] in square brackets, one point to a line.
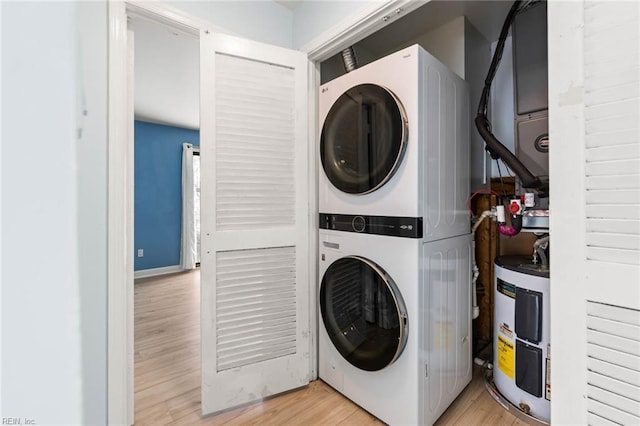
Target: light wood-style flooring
[167, 373]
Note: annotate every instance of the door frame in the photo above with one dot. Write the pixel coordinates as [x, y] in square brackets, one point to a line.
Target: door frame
[120, 276]
[120, 373]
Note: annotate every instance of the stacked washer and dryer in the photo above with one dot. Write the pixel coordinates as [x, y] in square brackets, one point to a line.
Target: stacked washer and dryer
[394, 242]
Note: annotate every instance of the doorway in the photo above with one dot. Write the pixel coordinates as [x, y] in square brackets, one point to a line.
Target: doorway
[166, 308]
[167, 122]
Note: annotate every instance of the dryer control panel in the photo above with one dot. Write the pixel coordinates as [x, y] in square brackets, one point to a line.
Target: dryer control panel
[407, 227]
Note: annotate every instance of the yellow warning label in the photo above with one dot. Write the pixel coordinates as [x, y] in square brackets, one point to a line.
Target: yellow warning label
[505, 356]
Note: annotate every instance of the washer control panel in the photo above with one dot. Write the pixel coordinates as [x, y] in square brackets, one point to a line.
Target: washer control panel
[407, 227]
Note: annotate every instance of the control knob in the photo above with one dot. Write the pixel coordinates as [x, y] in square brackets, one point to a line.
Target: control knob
[359, 224]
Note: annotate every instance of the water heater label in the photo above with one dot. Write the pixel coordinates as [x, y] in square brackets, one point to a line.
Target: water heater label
[547, 386]
[506, 288]
[504, 329]
[506, 356]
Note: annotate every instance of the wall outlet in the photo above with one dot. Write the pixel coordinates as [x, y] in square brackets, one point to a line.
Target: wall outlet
[140, 252]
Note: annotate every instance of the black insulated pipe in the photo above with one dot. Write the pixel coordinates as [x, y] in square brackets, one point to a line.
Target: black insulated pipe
[498, 150]
[349, 59]
[495, 148]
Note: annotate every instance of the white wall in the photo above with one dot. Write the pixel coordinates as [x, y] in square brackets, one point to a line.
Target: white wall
[41, 347]
[92, 207]
[263, 21]
[312, 18]
[447, 44]
[477, 57]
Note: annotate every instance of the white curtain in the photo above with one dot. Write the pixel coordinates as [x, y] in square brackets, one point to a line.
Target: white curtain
[189, 240]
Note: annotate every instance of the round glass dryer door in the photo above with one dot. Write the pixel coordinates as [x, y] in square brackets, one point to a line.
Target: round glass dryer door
[363, 139]
[363, 313]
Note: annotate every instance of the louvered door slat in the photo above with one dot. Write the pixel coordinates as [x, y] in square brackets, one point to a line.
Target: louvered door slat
[614, 313]
[620, 136]
[621, 106]
[253, 333]
[612, 414]
[624, 257]
[614, 226]
[611, 94]
[615, 196]
[255, 287]
[623, 374]
[614, 328]
[613, 152]
[257, 324]
[615, 386]
[618, 211]
[594, 419]
[257, 162]
[615, 400]
[261, 151]
[613, 167]
[229, 322]
[624, 241]
[628, 361]
[629, 346]
[260, 299]
[613, 182]
[267, 346]
[252, 358]
[615, 73]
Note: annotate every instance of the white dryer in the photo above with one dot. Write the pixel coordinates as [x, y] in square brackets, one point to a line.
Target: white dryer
[395, 142]
[395, 327]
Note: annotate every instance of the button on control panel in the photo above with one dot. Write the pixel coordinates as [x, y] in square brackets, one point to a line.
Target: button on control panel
[407, 227]
[359, 224]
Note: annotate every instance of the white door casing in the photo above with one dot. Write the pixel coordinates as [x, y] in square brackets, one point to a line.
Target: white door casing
[120, 219]
[594, 162]
[255, 235]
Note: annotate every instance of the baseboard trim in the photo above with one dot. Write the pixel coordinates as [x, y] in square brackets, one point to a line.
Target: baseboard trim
[146, 273]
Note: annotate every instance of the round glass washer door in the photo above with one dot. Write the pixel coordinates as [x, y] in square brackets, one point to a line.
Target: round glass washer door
[363, 139]
[363, 313]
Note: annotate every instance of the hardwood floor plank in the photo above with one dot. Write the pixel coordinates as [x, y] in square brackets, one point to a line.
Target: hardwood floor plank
[167, 374]
[157, 414]
[166, 389]
[184, 404]
[360, 418]
[466, 400]
[485, 411]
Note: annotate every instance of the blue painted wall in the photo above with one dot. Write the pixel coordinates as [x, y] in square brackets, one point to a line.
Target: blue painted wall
[158, 193]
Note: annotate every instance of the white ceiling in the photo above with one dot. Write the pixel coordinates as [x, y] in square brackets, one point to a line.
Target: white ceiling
[289, 4]
[167, 75]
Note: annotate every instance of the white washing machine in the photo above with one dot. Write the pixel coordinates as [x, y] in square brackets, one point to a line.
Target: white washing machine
[395, 142]
[395, 327]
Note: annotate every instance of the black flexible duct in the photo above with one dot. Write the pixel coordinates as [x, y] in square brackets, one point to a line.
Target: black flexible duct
[494, 146]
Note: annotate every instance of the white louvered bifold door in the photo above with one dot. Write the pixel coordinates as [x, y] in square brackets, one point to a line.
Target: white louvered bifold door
[594, 117]
[254, 216]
